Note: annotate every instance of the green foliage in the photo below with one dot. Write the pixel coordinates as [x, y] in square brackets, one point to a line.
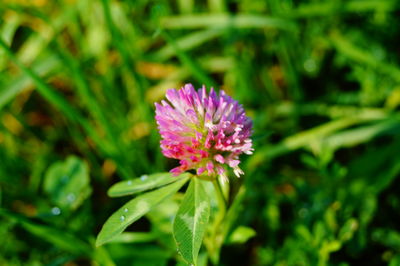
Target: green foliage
[135, 209]
[241, 235]
[63, 240]
[67, 183]
[145, 182]
[191, 221]
[78, 82]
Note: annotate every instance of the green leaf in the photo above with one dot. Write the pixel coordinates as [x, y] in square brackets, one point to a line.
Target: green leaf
[145, 182]
[226, 21]
[135, 209]
[395, 260]
[387, 237]
[188, 42]
[241, 235]
[135, 237]
[191, 221]
[23, 82]
[58, 237]
[67, 183]
[347, 231]
[330, 246]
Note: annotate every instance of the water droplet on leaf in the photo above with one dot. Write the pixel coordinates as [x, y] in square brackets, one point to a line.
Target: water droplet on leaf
[71, 197]
[55, 211]
[129, 183]
[122, 218]
[126, 210]
[143, 177]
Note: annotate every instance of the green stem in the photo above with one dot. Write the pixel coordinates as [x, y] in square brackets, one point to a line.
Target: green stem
[220, 195]
[216, 236]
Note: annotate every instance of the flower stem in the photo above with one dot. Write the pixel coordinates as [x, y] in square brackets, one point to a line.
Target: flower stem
[220, 195]
[216, 237]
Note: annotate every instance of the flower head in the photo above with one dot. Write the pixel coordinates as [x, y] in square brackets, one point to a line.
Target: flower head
[204, 131]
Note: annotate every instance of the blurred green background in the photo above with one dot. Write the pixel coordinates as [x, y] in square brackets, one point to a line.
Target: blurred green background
[320, 79]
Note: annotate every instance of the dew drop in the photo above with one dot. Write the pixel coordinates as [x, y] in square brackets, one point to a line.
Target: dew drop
[55, 211]
[143, 177]
[126, 210]
[310, 65]
[71, 197]
[122, 218]
[129, 183]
